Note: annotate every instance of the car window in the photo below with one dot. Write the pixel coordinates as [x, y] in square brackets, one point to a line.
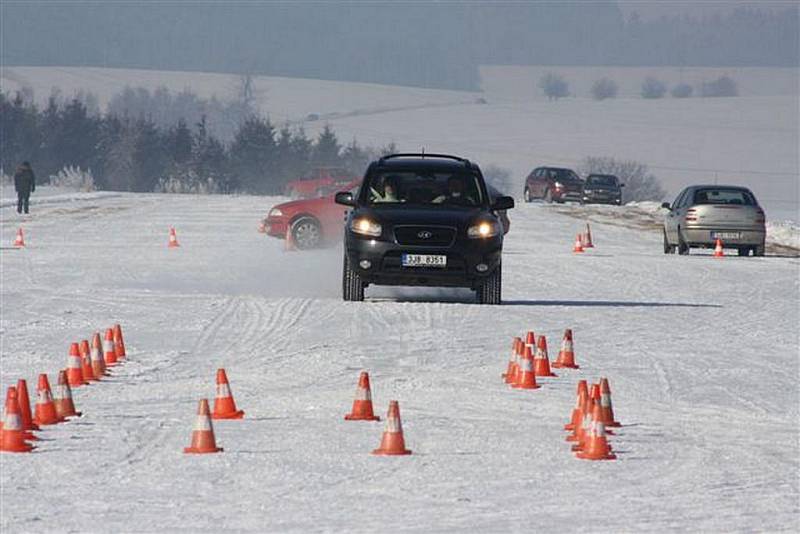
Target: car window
[679, 199]
[460, 188]
[723, 196]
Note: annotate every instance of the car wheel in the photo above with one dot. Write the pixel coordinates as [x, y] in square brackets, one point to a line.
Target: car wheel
[352, 285]
[548, 197]
[490, 291]
[668, 249]
[527, 195]
[307, 233]
[758, 250]
[683, 248]
[743, 251]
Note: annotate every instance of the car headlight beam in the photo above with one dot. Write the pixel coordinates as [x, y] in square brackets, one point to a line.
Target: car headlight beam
[484, 229]
[366, 226]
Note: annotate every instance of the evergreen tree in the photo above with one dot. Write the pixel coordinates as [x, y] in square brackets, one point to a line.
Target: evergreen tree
[149, 157]
[253, 157]
[327, 148]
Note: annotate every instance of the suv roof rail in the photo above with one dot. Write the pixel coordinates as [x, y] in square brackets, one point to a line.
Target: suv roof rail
[423, 155]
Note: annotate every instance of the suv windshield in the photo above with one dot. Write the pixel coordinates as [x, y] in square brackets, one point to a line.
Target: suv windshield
[740, 197]
[433, 188]
[599, 179]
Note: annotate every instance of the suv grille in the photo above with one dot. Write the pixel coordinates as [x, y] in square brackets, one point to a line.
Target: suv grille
[425, 236]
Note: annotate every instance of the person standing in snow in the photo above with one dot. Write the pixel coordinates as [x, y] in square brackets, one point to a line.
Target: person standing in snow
[25, 184]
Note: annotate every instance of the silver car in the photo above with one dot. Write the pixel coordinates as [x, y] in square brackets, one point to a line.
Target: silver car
[701, 214]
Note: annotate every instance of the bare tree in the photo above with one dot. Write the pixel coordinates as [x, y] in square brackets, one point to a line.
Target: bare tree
[640, 183]
[604, 88]
[653, 88]
[682, 90]
[554, 86]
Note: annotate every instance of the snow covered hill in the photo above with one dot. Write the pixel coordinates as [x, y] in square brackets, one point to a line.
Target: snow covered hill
[750, 140]
[701, 354]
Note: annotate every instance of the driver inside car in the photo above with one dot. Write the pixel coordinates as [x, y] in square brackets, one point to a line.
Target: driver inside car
[455, 193]
[389, 191]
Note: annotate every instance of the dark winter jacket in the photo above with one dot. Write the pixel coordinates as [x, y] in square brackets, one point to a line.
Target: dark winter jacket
[24, 179]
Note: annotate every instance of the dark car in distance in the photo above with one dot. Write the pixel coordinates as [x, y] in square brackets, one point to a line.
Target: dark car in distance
[553, 184]
[602, 189]
[423, 220]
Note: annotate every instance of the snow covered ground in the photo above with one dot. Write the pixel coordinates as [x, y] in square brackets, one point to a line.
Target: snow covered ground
[702, 355]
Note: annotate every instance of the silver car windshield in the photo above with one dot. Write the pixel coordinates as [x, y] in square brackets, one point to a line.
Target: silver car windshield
[423, 187]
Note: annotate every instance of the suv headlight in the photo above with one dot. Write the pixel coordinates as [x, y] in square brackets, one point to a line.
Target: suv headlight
[484, 229]
[588, 191]
[558, 185]
[275, 212]
[366, 227]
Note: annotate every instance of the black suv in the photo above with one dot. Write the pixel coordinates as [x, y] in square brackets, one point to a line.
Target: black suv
[602, 188]
[423, 220]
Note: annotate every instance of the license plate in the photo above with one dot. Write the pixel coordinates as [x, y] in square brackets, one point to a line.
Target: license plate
[726, 235]
[424, 260]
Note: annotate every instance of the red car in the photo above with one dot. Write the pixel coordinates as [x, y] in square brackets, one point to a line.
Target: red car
[322, 182]
[312, 222]
[553, 184]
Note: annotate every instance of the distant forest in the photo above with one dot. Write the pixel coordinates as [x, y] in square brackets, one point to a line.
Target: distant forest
[433, 44]
[119, 152]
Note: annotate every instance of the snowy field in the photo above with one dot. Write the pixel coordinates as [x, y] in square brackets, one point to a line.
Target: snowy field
[751, 140]
[702, 355]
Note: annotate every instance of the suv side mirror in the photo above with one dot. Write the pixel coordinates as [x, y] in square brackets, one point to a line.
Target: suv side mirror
[665, 205]
[345, 198]
[503, 203]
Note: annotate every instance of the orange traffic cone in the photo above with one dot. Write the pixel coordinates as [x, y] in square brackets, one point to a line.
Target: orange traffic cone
[25, 405]
[203, 440]
[173, 239]
[86, 361]
[526, 376]
[581, 431]
[606, 408]
[12, 395]
[288, 242]
[224, 405]
[20, 240]
[577, 412]
[109, 352]
[541, 362]
[362, 404]
[512, 362]
[530, 341]
[392, 443]
[119, 343]
[96, 354]
[75, 367]
[578, 244]
[587, 239]
[718, 253]
[12, 435]
[45, 409]
[566, 356]
[62, 399]
[595, 446]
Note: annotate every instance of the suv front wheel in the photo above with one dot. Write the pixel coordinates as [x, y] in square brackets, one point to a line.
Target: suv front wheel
[490, 291]
[352, 285]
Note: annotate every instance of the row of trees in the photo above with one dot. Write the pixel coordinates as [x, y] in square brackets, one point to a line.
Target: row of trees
[554, 86]
[127, 153]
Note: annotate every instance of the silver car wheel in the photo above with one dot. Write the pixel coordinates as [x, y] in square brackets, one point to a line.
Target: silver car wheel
[306, 233]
